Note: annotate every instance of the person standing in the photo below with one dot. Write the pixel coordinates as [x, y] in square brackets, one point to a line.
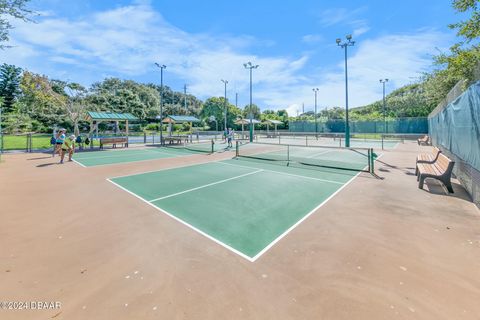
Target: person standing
[68, 146]
[230, 137]
[59, 139]
[225, 135]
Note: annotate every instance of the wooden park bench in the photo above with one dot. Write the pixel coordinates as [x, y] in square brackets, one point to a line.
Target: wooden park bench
[427, 157]
[114, 141]
[441, 170]
[425, 141]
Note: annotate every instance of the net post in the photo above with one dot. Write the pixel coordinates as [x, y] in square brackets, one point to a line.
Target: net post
[236, 148]
[306, 140]
[288, 154]
[369, 156]
[372, 161]
[213, 146]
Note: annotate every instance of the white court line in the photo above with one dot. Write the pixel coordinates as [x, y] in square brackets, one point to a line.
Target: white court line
[258, 255]
[126, 162]
[226, 246]
[170, 168]
[206, 185]
[138, 152]
[284, 173]
[131, 154]
[81, 164]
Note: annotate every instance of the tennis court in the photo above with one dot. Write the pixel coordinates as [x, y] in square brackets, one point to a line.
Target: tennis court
[112, 156]
[322, 140]
[245, 204]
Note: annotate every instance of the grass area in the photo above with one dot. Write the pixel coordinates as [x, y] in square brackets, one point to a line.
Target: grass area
[15, 142]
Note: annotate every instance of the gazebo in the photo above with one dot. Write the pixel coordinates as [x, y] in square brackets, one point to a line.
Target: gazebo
[274, 122]
[179, 119]
[244, 122]
[95, 118]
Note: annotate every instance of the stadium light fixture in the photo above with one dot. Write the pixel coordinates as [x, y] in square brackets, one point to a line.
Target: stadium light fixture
[162, 67]
[345, 45]
[316, 123]
[225, 82]
[251, 66]
[383, 82]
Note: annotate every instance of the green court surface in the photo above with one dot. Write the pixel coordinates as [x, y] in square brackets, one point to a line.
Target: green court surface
[114, 156]
[97, 158]
[243, 205]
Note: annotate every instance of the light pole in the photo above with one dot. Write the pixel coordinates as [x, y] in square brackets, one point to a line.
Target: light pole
[225, 82]
[185, 97]
[383, 82]
[316, 123]
[251, 66]
[345, 45]
[161, 98]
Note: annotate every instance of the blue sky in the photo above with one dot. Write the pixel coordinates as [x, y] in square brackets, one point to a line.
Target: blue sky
[202, 42]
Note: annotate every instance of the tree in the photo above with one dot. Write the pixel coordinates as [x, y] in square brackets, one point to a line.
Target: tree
[76, 105]
[10, 77]
[470, 28]
[11, 8]
[215, 106]
[115, 95]
[254, 109]
[40, 101]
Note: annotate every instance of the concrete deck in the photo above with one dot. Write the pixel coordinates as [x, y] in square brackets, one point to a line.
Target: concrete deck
[380, 249]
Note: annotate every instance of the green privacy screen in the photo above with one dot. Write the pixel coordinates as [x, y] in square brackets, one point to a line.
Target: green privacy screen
[400, 125]
[456, 127]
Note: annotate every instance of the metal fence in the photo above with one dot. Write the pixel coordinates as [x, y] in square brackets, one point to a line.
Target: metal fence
[455, 129]
[400, 125]
[37, 142]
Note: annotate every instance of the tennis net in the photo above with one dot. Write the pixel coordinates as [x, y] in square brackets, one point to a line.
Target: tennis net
[355, 159]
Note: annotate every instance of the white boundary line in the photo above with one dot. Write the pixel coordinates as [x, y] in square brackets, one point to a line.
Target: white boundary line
[269, 246]
[133, 153]
[120, 163]
[258, 255]
[170, 168]
[206, 185]
[80, 164]
[284, 173]
[186, 224]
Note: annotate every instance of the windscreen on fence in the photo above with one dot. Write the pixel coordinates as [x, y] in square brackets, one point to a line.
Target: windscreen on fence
[400, 125]
[457, 126]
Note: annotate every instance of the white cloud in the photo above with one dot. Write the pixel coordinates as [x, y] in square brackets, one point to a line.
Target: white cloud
[126, 41]
[312, 38]
[397, 57]
[343, 16]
